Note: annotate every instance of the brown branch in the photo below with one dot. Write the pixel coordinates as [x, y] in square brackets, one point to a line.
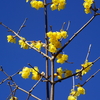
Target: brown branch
[90, 77]
[77, 72]
[45, 55]
[23, 25]
[33, 87]
[75, 34]
[27, 92]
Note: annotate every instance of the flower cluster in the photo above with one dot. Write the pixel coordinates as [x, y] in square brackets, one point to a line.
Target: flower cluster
[58, 4]
[85, 67]
[23, 44]
[22, 40]
[61, 58]
[37, 44]
[11, 39]
[87, 5]
[62, 73]
[74, 94]
[54, 38]
[25, 73]
[36, 4]
[13, 98]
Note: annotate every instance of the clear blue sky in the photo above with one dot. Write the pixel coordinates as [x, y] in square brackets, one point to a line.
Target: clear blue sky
[13, 58]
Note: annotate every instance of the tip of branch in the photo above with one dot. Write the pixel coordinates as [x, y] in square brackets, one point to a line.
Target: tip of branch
[0, 22]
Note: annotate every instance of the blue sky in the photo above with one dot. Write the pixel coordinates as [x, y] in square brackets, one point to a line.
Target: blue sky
[13, 58]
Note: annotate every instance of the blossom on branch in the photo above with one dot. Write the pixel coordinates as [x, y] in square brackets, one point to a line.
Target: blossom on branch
[58, 4]
[13, 98]
[61, 58]
[11, 39]
[87, 5]
[85, 67]
[35, 73]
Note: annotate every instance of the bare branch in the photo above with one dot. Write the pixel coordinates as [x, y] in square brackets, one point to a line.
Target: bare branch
[90, 77]
[75, 34]
[77, 72]
[88, 52]
[34, 87]
[45, 55]
[23, 25]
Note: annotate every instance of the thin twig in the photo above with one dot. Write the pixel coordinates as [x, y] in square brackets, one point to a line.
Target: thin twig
[68, 26]
[88, 52]
[63, 26]
[77, 72]
[73, 80]
[27, 92]
[45, 55]
[23, 25]
[75, 34]
[90, 77]
[34, 87]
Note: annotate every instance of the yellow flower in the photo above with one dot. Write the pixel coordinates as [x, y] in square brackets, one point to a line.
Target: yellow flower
[87, 5]
[25, 72]
[23, 44]
[87, 64]
[68, 73]
[53, 7]
[52, 48]
[37, 4]
[72, 97]
[27, 0]
[13, 98]
[81, 90]
[74, 93]
[11, 39]
[61, 58]
[38, 45]
[35, 74]
[64, 34]
[58, 4]
[40, 4]
[59, 72]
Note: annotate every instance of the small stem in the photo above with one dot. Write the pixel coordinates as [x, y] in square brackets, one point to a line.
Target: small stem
[22, 25]
[73, 80]
[33, 87]
[28, 93]
[68, 26]
[88, 52]
[75, 34]
[90, 77]
[77, 72]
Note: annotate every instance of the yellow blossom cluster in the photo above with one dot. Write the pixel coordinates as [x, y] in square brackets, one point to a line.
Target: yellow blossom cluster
[85, 67]
[74, 94]
[23, 44]
[58, 4]
[13, 98]
[87, 5]
[25, 73]
[61, 58]
[37, 44]
[11, 39]
[54, 38]
[36, 4]
[62, 73]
